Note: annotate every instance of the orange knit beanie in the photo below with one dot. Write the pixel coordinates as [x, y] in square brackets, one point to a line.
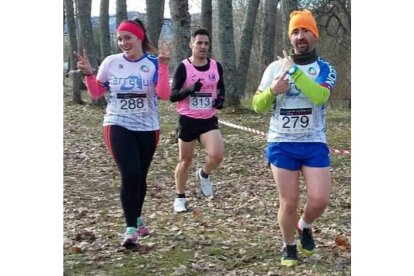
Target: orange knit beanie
[303, 19]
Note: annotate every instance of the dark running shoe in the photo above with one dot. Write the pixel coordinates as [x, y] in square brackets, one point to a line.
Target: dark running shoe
[289, 256]
[307, 243]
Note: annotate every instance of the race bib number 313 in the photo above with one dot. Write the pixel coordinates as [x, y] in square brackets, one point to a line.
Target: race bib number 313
[131, 103]
[297, 120]
[201, 101]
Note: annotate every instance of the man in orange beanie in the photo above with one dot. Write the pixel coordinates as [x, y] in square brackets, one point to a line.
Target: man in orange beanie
[297, 87]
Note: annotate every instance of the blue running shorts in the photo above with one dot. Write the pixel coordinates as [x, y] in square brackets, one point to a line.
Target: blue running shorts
[293, 155]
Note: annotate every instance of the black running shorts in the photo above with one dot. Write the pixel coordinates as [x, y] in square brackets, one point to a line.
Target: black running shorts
[191, 128]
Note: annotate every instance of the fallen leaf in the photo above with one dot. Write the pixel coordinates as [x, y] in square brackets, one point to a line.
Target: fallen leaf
[342, 243]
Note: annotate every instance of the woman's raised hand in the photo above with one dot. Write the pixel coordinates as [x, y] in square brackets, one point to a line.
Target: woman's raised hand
[83, 63]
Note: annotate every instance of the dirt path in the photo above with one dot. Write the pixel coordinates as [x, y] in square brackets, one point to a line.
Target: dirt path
[234, 234]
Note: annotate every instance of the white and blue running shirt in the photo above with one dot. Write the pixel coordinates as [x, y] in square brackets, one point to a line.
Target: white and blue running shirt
[295, 118]
[132, 99]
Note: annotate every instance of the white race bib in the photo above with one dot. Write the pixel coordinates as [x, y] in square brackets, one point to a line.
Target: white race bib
[295, 120]
[201, 100]
[130, 103]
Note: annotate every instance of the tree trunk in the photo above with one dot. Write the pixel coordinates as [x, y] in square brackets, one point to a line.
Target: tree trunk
[228, 52]
[181, 25]
[121, 15]
[246, 44]
[76, 78]
[287, 6]
[155, 20]
[121, 11]
[206, 20]
[84, 11]
[268, 34]
[104, 29]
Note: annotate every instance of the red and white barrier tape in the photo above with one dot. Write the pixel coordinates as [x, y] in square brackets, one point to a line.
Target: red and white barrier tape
[243, 128]
[337, 151]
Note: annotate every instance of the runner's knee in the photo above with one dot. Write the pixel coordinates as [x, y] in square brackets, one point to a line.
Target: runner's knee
[289, 205]
[185, 163]
[318, 201]
[216, 158]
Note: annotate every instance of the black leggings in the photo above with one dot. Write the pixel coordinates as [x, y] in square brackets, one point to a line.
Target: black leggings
[133, 152]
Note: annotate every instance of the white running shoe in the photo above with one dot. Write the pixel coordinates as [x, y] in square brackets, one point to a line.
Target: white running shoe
[205, 184]
[130, 238]
[180, 204]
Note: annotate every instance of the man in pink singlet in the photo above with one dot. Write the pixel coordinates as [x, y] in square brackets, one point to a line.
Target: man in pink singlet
[198, 89]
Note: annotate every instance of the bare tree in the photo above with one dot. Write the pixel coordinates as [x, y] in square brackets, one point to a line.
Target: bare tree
[334, 16]
[121, 14]
[105, 37]
[206, 19]
[76, 77]
[155, 19]
[334, 22]
[268, 33]
[246, 44]
[287, 6]
[121, 11]
[228, 52]
[181, 25]
[86, 32]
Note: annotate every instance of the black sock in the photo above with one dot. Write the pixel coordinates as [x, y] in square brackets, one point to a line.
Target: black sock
[181, 195]
[203, 174]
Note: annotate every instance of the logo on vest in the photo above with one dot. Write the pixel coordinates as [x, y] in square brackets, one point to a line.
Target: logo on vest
[132, 82]
[312, 71]
[294, 91]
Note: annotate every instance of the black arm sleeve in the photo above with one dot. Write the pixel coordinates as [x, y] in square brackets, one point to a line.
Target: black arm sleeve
[178, 94]
[221, 90]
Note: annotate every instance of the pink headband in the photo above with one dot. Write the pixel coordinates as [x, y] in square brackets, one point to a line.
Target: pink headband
[133, 28]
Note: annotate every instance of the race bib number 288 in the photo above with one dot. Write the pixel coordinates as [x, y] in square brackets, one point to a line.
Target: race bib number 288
[131, 103]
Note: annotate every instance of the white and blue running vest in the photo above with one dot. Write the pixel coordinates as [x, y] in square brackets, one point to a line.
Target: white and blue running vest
[295, 118]
[132, 101]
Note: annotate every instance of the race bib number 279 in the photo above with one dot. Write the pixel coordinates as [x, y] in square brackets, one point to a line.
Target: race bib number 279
[297, 120]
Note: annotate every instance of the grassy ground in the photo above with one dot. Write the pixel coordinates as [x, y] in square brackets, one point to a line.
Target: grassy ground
[236, 233]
